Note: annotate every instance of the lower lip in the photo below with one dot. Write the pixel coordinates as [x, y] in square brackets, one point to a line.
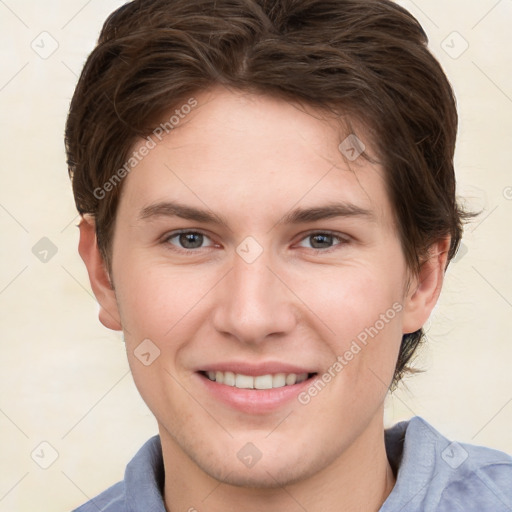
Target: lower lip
[253, 401]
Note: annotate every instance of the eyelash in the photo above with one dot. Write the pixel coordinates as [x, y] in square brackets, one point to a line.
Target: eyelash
[343, 240]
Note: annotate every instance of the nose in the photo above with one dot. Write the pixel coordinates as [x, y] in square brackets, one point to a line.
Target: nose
[254, 302]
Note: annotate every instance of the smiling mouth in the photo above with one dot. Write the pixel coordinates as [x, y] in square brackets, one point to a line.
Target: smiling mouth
[259, 382]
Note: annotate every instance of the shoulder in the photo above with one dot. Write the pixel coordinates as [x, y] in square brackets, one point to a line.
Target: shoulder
[141, 487]
[478, 477]
[111, 500]
[436, 474]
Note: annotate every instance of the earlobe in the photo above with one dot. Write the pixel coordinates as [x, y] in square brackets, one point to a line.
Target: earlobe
[425, 288]
[98, 275]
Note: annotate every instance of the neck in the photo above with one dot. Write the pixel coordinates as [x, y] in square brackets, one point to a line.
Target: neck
[360, 479]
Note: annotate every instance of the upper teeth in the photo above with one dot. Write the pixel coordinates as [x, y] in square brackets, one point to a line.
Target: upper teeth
[268, 381]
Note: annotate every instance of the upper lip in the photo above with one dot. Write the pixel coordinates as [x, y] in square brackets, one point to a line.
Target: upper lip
[264, 368]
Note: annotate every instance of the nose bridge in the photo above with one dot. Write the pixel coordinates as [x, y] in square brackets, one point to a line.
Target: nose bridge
[254, 302]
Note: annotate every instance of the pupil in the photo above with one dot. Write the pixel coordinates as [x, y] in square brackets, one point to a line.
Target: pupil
[191, 240]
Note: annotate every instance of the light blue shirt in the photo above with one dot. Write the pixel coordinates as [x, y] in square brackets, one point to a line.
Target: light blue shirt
[433, 475]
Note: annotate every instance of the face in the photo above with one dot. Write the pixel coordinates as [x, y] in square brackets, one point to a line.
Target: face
[248, 253]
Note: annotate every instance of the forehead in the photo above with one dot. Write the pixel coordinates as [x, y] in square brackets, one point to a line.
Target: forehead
[238, 152]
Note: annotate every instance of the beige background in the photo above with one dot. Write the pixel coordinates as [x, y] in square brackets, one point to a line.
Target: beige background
[64, 378]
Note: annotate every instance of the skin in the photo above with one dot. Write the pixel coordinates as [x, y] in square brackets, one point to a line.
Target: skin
[252, 159]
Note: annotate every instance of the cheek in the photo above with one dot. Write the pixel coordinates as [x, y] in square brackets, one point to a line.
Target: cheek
[154, 298]
[158, 305]
[355, 298]
[363, 310]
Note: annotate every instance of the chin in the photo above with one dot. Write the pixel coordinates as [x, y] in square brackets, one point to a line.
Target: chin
[269, 472]
[274, 477]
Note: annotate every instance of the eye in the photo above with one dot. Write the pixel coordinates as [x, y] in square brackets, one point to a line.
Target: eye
[188, 240]
[323, 240]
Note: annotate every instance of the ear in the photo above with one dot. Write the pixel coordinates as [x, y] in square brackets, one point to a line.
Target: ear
[425, 288]
[98, 275]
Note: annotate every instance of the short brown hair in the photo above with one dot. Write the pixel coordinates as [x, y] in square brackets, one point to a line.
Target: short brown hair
[366, 58]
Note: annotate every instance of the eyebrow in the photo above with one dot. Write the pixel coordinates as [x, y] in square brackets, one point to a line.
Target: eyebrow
[296, 216]
[303, 215]
[174, 209]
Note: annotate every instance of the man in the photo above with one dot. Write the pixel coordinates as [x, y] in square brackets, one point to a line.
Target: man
[268, 209]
